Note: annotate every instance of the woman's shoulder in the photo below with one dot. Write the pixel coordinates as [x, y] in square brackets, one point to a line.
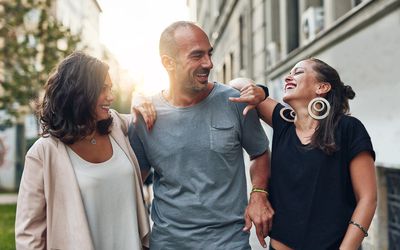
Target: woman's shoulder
[44, 143]
[355, 135]
[348, 122]
[352, 127]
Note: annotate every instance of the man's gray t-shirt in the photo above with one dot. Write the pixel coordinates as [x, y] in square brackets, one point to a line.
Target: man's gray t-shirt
[199, 174]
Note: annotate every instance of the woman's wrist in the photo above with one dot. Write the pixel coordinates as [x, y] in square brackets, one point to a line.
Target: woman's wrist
[265, 89]
[363, 229]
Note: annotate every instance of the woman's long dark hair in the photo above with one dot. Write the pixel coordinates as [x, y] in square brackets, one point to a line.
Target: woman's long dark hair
[338, 97]
[67, 110]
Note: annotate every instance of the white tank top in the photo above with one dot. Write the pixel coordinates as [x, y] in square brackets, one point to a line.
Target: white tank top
[107, 191]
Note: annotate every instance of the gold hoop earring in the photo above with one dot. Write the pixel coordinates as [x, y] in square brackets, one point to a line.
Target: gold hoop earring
[314, 110]
[291, 113]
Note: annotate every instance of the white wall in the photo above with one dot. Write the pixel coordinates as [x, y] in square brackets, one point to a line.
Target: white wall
[369, 62]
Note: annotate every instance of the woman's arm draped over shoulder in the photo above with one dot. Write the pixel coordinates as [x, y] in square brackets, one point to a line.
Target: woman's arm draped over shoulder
[143, 105]
[255, 97]
[265, 110]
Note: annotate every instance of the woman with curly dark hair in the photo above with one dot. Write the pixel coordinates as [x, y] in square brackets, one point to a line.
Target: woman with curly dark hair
[322, 185]
[81, 185]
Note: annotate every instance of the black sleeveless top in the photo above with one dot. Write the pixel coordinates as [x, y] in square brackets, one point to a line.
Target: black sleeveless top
[310, 191]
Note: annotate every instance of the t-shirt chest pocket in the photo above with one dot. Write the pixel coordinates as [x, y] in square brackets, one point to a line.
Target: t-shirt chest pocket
[222, 137]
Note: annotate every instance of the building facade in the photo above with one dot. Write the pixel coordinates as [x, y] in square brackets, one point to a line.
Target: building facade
[263, 39]
[82, 17]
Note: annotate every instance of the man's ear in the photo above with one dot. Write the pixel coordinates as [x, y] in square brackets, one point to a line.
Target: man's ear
[168, 62]
[323, 88]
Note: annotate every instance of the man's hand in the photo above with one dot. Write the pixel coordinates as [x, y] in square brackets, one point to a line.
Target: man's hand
[144, 106]
[260, 212]
[250, 94]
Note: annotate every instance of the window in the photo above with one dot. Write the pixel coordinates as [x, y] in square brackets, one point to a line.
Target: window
[393, 195]
[241, 42]
[232, 64]
[354, 3]
[224, 78]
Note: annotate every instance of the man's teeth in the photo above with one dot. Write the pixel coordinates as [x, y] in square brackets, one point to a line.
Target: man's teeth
[290, 87]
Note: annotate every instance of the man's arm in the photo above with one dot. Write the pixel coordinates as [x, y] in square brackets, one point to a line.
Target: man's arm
[255, 142]
[259, 210]
[139, 151]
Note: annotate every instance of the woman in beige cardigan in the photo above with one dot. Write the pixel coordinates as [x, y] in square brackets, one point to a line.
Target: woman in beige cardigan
[81, 186]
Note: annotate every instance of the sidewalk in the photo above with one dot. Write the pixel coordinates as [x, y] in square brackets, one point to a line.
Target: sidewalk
[8, 199]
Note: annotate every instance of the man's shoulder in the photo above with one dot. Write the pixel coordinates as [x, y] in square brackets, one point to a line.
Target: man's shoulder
[223, 92]
[225, 89]
[157, 96]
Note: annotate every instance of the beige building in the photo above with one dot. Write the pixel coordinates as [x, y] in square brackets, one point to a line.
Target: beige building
[82, 17]
[263, 39]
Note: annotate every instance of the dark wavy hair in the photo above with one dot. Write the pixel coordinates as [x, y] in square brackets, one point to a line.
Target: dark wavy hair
[338, 97]
[67, 110]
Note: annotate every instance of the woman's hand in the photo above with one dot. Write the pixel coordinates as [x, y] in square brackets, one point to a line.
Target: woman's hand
[250, 94]
[143, 105]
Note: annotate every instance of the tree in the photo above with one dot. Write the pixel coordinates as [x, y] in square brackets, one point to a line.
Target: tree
[32, 41]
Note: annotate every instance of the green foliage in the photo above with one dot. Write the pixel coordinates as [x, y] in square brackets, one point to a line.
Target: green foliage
[32, 41]
[7, 222]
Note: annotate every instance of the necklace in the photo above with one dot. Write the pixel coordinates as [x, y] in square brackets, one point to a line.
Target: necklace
[93, 141]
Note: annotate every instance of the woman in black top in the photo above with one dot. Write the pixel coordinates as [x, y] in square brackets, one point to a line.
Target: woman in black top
[323, 185]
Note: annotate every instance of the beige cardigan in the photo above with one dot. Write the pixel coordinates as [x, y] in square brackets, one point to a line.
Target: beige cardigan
[50, 213]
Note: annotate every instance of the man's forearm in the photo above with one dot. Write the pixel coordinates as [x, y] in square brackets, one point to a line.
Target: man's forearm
[260, 171]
